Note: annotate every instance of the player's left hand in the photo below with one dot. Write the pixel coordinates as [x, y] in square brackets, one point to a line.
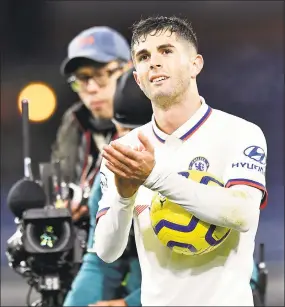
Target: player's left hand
[130, 163]
[117, 303]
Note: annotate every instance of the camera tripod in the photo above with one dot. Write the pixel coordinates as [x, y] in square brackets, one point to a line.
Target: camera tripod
[52, 289]
[50, 299]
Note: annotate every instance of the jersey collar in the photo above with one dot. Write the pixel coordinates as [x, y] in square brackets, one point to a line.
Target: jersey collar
[185, 131]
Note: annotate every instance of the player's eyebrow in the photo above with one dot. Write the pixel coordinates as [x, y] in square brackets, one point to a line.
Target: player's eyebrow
[163, 46]
[143, 51]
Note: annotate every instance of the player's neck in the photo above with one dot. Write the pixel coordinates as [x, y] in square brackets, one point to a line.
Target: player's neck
[171, 119]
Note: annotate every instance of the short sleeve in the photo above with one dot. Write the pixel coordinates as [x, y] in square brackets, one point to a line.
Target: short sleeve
[247, 161]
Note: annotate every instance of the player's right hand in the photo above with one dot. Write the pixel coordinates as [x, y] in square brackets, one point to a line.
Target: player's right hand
[127, 188]
[131, 166]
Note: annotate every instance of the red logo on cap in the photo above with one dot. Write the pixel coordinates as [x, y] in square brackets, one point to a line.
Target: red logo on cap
[88, 40]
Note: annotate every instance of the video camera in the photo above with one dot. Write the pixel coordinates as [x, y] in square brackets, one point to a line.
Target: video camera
[47, 248]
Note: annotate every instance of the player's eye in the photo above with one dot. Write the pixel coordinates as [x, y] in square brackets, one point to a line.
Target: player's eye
[143, 57]
[167, 51]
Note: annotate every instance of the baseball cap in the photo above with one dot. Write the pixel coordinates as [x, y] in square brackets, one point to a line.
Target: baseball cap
[100, 44]
[131, 107]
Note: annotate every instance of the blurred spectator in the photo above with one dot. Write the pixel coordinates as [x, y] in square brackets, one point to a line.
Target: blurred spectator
[97, 57]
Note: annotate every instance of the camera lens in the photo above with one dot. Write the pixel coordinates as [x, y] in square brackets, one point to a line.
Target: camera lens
[51, 236]
[47, 236]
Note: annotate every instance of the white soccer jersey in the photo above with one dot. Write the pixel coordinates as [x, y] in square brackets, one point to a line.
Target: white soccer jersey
[226, 146]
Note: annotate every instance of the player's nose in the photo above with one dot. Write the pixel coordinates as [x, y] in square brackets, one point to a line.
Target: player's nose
[155, 66]
[155, 61]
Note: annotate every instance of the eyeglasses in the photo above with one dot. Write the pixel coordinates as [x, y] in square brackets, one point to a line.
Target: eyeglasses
[102, 78]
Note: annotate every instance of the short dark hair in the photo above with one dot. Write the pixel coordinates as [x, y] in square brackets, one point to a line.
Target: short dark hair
[182, 27]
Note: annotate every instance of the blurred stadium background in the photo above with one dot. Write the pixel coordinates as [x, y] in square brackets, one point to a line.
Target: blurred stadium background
[243, 47]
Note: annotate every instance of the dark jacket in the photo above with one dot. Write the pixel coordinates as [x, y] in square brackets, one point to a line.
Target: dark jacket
[75, 147]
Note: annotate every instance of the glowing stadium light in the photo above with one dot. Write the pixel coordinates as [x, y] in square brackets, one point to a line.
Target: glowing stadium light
[42, 101]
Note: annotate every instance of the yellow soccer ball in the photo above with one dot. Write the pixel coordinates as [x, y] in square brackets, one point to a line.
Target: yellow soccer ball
[180, 230]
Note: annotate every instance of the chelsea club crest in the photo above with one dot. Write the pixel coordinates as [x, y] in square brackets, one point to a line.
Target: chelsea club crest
[199, 164]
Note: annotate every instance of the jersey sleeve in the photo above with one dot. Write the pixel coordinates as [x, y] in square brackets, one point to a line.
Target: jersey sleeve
[108, 189]
[94, 198]
[247, 161]
[114, 219]
[107, 180]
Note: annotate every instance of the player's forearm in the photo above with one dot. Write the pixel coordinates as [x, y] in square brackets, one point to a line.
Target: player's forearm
[112, 230]
[234, 208]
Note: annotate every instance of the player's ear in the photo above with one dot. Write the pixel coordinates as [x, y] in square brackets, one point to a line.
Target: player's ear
[198, 63]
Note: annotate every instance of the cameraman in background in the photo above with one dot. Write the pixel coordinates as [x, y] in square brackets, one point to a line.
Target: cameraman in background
[97, 282]
[97, 57]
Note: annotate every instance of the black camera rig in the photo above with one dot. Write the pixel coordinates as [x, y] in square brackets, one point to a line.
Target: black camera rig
[47, 248]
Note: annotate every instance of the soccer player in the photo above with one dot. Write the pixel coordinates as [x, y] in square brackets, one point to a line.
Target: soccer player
[184, 133]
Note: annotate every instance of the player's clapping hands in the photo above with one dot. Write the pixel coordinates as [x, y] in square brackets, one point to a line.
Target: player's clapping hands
[131, 166]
